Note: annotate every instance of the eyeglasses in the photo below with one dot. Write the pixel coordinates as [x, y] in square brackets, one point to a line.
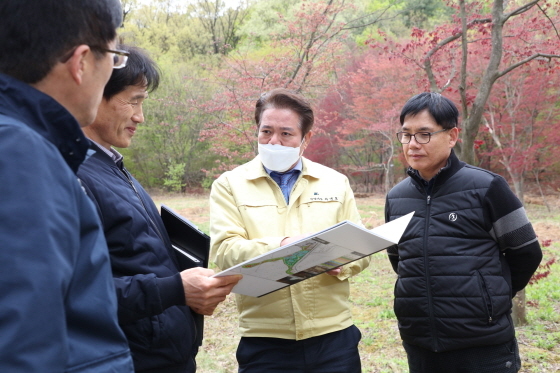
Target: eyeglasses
[119, 56]
[420, 137]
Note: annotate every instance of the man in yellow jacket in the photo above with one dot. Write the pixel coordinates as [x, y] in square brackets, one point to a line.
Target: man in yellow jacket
[277, 198]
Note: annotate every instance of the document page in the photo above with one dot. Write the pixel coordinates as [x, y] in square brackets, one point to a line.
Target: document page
[331, 248]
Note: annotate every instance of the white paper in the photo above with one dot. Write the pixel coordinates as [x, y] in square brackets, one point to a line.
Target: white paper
[335, 246]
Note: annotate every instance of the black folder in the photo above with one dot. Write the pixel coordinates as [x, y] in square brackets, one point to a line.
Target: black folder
[191, 247]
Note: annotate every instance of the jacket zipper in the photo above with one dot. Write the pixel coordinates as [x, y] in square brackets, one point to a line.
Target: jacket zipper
[427, 275]
[486, 297]
[128, 177]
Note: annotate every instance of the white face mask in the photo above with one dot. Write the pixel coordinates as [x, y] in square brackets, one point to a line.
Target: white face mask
[278, 158]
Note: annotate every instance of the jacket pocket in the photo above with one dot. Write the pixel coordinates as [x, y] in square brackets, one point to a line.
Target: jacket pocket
[317, 215]
[174, 333]
[167, 338]
[486, 298]
[258, 212]
[140, 332]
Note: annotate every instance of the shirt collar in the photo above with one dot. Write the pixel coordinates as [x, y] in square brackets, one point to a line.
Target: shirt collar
[115, 155]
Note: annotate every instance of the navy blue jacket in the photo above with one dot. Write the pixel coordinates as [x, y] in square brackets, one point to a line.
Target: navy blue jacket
[468, 249]
[152, 312]
[58, 310]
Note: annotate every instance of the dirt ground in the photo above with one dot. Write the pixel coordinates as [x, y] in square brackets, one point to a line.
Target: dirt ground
[545, 222]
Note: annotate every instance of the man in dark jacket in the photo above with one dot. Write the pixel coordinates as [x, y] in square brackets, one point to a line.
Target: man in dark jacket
[468, 249]
[154, 297]
[58, 310]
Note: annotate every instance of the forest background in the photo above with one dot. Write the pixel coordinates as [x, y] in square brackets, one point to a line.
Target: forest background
[358, 62]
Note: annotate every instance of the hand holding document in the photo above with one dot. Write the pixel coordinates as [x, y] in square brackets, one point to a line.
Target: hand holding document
[321, 252]
[203, 292]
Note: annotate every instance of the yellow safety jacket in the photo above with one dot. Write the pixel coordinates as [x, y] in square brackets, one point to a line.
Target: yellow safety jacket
[249, 217]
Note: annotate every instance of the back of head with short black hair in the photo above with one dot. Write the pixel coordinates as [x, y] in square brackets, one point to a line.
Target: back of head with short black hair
[442, 109]
[281, 98]
[35, 35]
[140, 70]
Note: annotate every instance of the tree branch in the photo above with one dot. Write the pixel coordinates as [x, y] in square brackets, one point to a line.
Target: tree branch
[377, 19]
[520, 10]
[551, 22]
[441, 44]
[528, 59]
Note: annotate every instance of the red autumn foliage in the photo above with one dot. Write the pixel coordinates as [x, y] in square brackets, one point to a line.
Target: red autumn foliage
[302, 58]
[466, 57]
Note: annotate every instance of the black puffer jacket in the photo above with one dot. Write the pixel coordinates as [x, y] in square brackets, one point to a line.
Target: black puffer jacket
[151, 301]
[467, 250]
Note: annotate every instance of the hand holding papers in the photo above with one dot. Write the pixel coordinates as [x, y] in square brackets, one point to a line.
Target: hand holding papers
[333, 247]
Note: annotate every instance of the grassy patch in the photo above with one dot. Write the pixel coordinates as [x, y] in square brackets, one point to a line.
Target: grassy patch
[372, 302]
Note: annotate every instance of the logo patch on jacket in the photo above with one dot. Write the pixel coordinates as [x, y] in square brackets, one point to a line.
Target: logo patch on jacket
[453, 216]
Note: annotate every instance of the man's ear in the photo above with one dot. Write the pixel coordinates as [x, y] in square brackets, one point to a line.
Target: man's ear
[453, 136]
[78, 63]
[306, 140]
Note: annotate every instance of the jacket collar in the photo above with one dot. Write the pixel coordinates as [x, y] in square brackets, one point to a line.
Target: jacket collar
[46, 116]
[453, 165]
[256, 170]
[104, 157]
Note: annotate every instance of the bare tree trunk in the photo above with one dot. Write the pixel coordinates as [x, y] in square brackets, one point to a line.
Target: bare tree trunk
[127, 7]
[472, 123]
[519, 314]
[389, 176]
[545, 201]
[389, 166]
[519, 187]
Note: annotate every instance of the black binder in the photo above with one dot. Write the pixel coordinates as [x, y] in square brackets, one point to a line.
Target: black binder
[191, 247]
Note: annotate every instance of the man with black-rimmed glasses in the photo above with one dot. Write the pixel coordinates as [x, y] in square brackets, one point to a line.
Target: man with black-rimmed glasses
[468, 249]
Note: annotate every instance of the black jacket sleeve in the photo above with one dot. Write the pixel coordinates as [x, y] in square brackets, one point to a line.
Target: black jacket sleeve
[515, 235]
[142, 296]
